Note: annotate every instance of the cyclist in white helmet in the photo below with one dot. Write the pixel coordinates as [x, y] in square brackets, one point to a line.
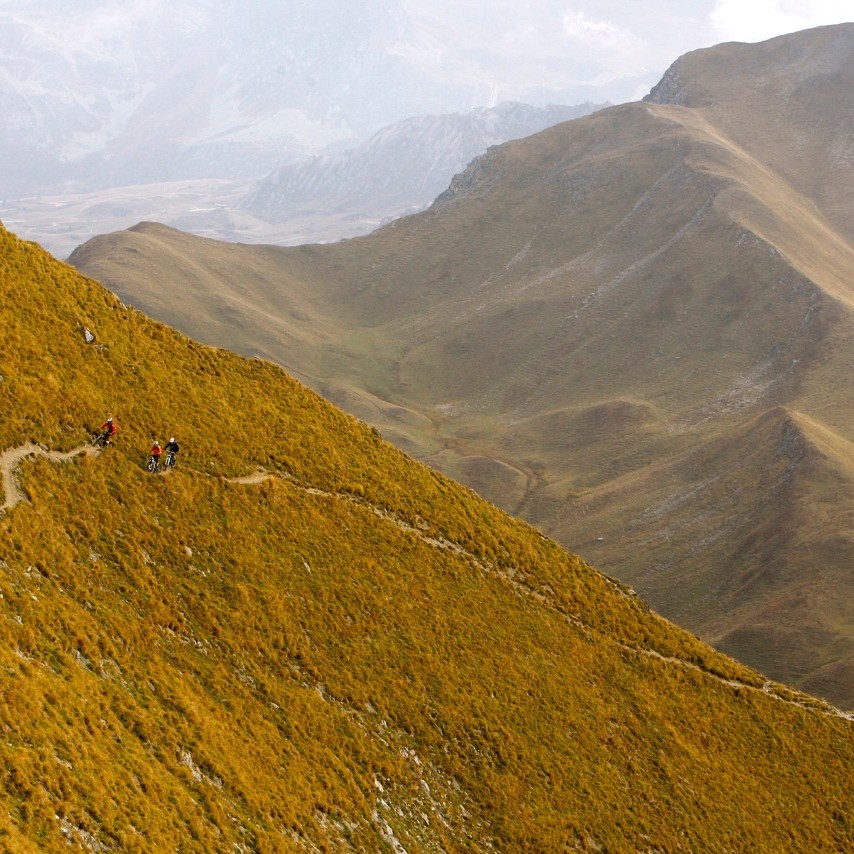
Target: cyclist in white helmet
[171, 453]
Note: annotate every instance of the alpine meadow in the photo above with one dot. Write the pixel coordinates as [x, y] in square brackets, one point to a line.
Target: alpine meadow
[302, 639]
[633, 330]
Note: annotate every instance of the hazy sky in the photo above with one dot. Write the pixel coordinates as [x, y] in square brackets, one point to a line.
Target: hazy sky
[602, 49]
[148, 80]
[533, 50]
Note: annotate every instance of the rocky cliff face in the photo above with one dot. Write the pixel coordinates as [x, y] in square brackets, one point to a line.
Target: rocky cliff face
[669, 90]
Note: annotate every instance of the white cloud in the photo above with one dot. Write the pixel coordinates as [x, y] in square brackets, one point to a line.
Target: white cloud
[617, 50]
[580, 27]
[453, 53]
[756, 20]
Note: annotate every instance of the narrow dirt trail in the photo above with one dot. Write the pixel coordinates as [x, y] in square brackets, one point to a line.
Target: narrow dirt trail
[13, 457]
[259, 476]
[769, 689]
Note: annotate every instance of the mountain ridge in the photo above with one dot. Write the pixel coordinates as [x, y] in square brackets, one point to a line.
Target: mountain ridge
[326, 197]
[617, 297]
[398, 170]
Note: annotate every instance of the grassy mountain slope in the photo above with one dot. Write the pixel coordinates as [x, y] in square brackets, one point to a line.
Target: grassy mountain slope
[782, 85]
[609, 306]
[797, 512]
[302, 638]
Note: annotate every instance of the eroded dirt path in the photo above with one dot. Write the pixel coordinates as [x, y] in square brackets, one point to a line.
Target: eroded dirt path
[259, 476]
[12, 458]
[507, 575]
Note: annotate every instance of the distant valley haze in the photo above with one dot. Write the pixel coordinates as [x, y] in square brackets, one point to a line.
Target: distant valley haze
[118, 112]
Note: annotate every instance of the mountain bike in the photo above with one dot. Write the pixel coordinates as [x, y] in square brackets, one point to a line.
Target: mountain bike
[153, 464]
[101, 440]
[171, 459]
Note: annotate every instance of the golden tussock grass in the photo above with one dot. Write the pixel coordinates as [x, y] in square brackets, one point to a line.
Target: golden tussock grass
[351, 651]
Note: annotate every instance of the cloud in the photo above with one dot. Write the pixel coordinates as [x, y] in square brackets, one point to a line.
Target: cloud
[452, 54]
[755, 20]
[524, 50]
[596, 33]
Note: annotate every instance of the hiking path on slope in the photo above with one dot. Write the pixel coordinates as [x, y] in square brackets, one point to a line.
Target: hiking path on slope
[12, 458]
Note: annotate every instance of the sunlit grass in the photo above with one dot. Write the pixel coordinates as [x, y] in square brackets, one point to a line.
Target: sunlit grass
[352, 648]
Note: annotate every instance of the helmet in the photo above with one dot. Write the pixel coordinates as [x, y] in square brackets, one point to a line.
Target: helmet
[110, 418]
[172, 439]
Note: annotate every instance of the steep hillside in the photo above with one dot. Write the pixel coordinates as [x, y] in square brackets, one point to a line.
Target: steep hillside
[302, 639]
[796, 91]
[591, 322]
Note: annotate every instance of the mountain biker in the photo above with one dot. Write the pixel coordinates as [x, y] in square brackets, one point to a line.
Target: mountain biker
[171, 452]
[156, 452]
[108, 430]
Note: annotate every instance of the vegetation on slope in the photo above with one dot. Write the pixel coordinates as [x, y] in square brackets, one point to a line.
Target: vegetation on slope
[592, 320]
[346, 650]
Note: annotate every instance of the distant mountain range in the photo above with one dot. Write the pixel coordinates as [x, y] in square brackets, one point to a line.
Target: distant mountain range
[399, 170]
[103, 94]
[633, 329]
[173, 112]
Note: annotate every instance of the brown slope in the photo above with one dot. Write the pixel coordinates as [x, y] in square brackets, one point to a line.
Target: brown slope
[746, 537]
[792, 89]
[225, 289]
[613, 301]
